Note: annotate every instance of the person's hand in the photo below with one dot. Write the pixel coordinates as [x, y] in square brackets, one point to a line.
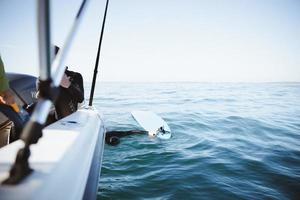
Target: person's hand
[65, 82]
[7, 97]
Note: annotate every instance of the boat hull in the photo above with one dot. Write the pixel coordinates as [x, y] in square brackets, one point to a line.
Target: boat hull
[66, 161]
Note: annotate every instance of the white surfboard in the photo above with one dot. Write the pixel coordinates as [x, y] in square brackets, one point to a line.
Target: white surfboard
[152, 123]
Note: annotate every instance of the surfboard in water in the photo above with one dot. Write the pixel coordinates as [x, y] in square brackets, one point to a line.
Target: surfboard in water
[152, 123]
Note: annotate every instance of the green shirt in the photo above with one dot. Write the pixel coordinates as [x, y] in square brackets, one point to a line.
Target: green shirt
[3, 80]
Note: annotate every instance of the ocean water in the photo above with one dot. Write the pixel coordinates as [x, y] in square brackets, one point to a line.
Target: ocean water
[230, 141]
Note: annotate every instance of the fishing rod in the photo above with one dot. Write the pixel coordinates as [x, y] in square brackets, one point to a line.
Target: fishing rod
[50, 77]
[98, 56]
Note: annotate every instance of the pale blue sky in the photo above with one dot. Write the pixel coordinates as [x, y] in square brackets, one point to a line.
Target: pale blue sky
[165, 40]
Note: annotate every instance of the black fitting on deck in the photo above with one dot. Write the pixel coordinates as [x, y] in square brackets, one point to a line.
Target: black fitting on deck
[32, 132]
[20, 169]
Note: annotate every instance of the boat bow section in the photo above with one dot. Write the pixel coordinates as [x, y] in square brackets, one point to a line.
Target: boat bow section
[62, 160]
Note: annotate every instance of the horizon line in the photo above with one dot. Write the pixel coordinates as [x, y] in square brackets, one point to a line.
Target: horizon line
[99, 81]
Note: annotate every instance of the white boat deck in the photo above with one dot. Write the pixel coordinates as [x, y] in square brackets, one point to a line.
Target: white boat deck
[61, 160]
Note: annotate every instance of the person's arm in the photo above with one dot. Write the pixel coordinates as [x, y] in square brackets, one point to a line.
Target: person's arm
[124, 133]
[6, 96]
[3, 80]
[112, 137]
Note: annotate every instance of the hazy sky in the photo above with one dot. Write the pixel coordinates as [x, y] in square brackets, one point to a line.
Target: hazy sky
[165, 40]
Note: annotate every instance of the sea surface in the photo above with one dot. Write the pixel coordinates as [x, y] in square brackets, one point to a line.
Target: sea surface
[230, 141]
